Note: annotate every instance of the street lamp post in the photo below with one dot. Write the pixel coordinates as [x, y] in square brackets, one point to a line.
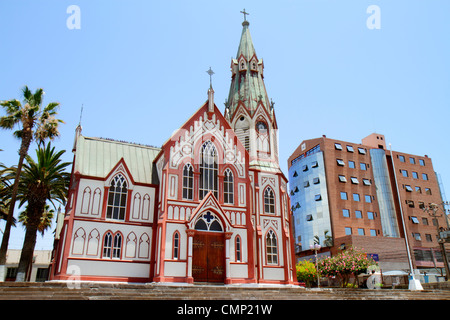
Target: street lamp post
[316, 247]
[432, 209]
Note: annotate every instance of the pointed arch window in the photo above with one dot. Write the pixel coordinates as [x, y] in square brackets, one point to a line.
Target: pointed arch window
[176, 245]
[208, 169]
[262, 139]
[117, 198]
[271, 248]
[238, 248]
[117, 247]
[188, 182]
[107, 245]
[208, 222]
[269, 201]
[228, 187]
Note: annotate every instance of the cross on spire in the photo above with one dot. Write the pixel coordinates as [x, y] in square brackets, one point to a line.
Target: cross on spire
[244, 13]
[210, 72]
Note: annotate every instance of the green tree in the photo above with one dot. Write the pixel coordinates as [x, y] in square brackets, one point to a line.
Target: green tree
[44, 223]
[41, 181]
[306, 272]
[350, 262]
[34, 122]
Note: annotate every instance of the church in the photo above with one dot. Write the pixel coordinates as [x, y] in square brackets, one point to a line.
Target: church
[211, 205]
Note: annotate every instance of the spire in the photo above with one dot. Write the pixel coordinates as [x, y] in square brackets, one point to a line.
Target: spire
[210, 91]
[247, 83]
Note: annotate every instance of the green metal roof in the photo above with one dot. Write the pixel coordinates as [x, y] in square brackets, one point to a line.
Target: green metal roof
[247, 86]
[97, 157]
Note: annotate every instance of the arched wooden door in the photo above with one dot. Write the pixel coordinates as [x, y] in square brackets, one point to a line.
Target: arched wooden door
[208, 250]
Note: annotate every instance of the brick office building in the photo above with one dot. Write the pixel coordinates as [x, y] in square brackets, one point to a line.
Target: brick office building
[348, 195]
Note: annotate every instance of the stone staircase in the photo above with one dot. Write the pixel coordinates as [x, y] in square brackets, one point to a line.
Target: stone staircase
[152, 291]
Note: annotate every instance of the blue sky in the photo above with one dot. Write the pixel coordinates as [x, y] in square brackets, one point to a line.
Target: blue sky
[138, 67]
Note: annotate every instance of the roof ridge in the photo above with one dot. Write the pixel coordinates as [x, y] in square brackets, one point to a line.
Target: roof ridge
[123, 142]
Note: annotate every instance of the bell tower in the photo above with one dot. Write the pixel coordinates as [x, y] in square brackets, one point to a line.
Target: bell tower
[248, 108]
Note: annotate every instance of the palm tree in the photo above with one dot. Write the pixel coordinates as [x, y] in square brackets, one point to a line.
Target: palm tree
[41, 181]
[35, 122]
[44, 223]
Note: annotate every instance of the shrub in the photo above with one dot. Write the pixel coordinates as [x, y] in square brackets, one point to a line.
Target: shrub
[345, 264]
[306, 272]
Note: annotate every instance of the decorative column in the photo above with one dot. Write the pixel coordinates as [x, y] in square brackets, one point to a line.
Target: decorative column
[227, 257]
[190, 234]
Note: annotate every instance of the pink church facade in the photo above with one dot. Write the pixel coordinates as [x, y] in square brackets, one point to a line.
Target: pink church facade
[211, 205]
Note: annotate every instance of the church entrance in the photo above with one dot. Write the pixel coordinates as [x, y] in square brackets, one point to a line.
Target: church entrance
[208, 250]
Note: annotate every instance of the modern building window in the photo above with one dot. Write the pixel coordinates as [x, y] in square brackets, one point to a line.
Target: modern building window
[424, 176]
[358, 214]
[306, 184]
[208, 169]
[269, 201]
[410, 203]
[305, 167]
[314, 164]
[316, 180]
[348, 231]
[228, 187]
[351, 164]
[117, 198]
[346, 213]
[309, 217]
[188, 182]
[344, 195]
[271, 248]
[317, 197]
[342, 178]
[337, 146]
[356, 197]
[422, 162]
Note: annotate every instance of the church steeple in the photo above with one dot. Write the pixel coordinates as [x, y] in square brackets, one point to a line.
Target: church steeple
[248, 108]
[247, 84]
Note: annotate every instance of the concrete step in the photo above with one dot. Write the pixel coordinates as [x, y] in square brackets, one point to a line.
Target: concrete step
[115, 291]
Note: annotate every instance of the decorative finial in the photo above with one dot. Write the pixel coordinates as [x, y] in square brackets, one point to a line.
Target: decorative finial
[245, 13]
[81, 114]
[210, 72]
